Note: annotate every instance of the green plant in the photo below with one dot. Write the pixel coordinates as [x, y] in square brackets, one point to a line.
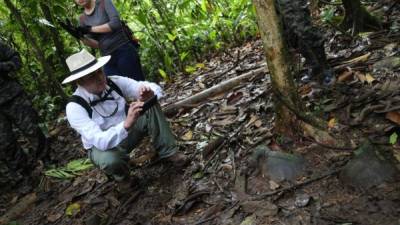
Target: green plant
[72, 169]
[393, 138]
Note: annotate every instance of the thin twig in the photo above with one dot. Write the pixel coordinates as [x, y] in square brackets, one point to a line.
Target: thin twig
[216, 215]
[190, 198]
[222, 145]
[123, 206]
[330, 3]
[344, 32]
[311, 180]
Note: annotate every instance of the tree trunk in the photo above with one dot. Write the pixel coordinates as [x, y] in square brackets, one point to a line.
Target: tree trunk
[291, 116]
[357, 18]
[38, 52]
[55, 35]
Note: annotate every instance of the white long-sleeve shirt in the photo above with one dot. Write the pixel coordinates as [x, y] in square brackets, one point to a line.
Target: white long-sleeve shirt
[101, 131]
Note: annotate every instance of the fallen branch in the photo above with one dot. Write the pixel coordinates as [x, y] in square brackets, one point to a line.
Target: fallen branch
[190, 198]
[123, 206]
[21, 207]
[282, 190]
[216, 215]
[215, 90]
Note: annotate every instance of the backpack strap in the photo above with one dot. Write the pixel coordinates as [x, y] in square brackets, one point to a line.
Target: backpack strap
[114, 87]
[82, 102]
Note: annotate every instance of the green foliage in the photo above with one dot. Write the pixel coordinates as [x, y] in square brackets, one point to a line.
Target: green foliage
[72, 169]
[329, 15]
[393, 138]
[13, 223]
[174, 36]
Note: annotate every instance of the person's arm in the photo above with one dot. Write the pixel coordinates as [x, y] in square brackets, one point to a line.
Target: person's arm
[91, 132]
[87, 39]
[90, 42]
[113, 15]
[131, 88]
[9, 58]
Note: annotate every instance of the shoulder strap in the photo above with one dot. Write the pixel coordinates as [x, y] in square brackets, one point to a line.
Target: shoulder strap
[82, 102]
[114, 87]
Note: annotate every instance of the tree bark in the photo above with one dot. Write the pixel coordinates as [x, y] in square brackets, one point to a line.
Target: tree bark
[357, 18]
[38, 52]
[291, 116]
[55, 35]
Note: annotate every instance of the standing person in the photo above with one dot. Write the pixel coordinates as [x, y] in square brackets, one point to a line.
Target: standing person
[16, 110]
[301, 33]
[109, 127]
[102, 28]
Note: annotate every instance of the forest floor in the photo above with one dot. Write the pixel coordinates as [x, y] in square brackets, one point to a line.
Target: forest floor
[220, 135]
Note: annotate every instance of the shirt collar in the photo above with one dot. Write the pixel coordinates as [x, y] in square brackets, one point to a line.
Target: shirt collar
[89, 96]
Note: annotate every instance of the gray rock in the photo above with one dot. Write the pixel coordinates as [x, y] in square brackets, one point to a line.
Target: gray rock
[279, 166]
[302, 200]
[368, 168]
[93, 220]
[387, 64]
[260, 208]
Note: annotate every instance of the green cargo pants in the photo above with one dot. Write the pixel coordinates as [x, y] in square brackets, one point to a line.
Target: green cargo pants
[153, 123]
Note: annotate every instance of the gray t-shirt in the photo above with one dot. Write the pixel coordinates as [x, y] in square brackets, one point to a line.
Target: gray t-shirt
[105, 12]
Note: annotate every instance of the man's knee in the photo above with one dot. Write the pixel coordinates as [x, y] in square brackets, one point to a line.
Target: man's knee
[112, 162]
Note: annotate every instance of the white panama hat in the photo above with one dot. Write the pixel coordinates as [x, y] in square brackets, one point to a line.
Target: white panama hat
[83, 63]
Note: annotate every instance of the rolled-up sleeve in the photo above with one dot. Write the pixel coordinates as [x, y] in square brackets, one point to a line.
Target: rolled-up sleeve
[91, 132]
[130, 87]
[113, 15]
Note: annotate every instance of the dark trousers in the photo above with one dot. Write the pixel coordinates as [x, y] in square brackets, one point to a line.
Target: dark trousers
[125, 61]
[154, 124]
[13, 161]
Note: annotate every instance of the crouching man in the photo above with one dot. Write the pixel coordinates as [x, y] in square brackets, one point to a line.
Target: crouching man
[109, 126]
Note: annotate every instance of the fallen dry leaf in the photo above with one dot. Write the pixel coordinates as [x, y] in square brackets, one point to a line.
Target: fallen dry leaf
[396, 154]
[273, 185]
[346, 75]
[393, 116]
[234, 97]
[253, 119]
[332, 123]
[54, 217]
[369, 78]
[188, 136]
[361, 77]
[362, 58]
[227, 121]
[304, 90]
[258, 123]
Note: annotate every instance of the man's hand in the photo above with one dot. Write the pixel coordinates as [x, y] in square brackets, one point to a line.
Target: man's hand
[145, 93]
[133, 114]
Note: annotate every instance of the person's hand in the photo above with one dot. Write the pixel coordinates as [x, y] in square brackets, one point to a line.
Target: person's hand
[145, 93]
[71, 29]
[7, 66]
[133, 114]
[84, 29]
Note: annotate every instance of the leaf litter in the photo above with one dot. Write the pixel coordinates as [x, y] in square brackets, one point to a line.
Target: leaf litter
[221, 133]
